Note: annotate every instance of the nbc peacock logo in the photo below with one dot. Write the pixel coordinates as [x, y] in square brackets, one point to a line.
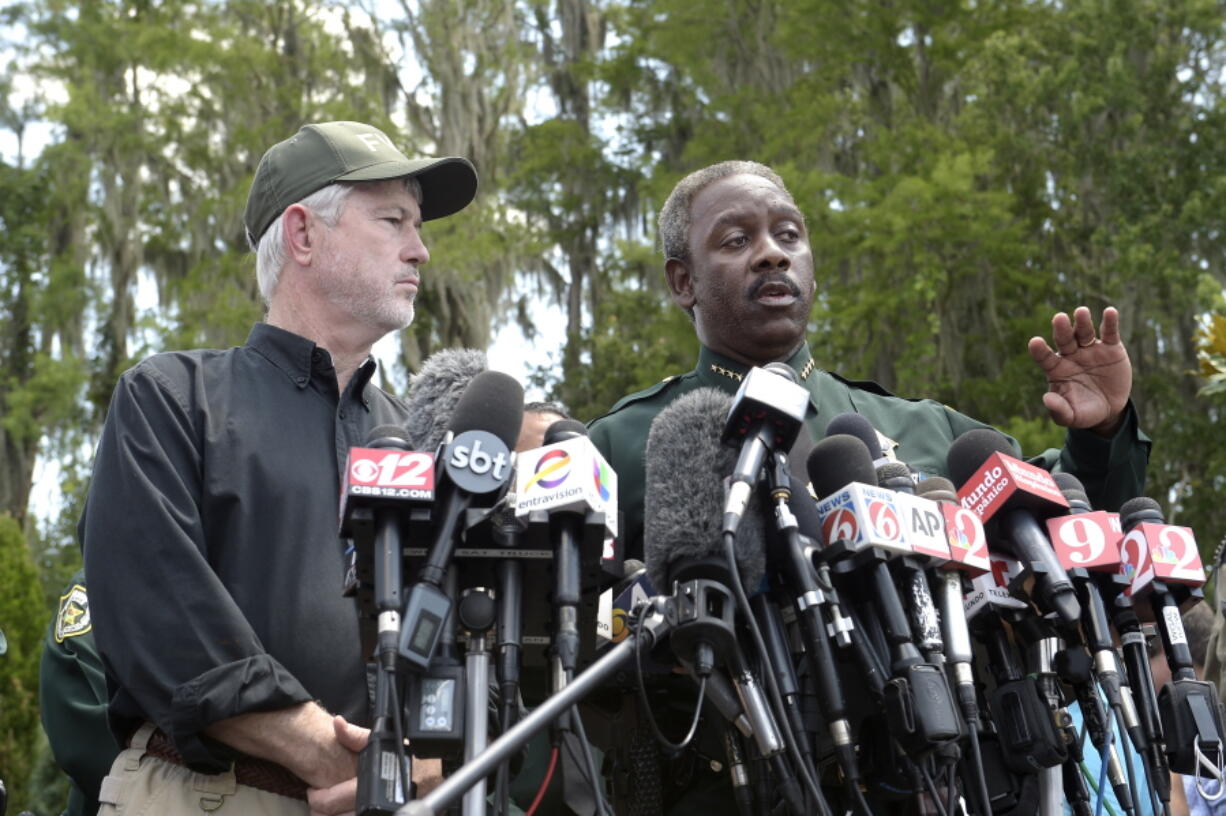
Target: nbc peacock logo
[600, 474]
[551, 470]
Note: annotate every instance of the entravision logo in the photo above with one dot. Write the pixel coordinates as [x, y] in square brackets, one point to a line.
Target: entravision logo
[551, 470]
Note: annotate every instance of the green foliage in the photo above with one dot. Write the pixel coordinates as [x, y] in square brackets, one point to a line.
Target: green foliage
[1212, 353]
[23, 618]
[638, 339]
[48, 784]
[967, 170]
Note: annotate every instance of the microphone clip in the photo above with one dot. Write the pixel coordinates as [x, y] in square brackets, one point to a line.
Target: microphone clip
[702, 615]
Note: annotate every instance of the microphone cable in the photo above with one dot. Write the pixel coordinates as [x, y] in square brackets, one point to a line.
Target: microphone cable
[589, 762]
[772, 685]
[642, 690]
[540, 792]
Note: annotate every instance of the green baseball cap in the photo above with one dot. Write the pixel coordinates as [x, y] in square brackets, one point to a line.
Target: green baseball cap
[320, 154]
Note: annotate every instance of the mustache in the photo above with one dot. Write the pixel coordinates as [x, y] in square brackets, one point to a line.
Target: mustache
[757, 285]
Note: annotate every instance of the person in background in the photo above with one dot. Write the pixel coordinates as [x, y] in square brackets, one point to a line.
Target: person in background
[72, 699]
[538, 416]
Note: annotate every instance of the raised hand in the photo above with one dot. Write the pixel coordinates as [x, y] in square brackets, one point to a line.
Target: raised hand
[1089, 377]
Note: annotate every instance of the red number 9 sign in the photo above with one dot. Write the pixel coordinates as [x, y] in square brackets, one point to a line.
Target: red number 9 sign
[1085, 540]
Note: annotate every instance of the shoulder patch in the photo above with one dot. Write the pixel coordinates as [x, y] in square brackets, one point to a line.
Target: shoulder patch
[73, 616]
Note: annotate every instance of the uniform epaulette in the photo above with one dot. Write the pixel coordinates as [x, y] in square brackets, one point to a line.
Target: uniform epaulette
[863, 385]
[875, 388]
[639, 396]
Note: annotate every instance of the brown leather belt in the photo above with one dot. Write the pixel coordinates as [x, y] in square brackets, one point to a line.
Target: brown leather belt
[250, 771]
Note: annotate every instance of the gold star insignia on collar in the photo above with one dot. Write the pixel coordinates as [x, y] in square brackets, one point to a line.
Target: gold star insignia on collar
[808, 369]
[724, 372]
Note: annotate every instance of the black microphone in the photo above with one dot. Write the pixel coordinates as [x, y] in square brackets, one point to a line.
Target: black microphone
[566, 530]
[1095, 622]
[808, 589]
[1101, 644]
[857, 425]
[766, 415]
[474, 464]
[1191, 715]
[999, 487]
[379, 791]
[435, 392]
[835, 464]
[386, 494]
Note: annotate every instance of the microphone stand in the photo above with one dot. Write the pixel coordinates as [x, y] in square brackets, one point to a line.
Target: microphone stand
[1042, 647]
[655, 627]
[476, 615]
[814, 604]
[509, 576]
[378, 792]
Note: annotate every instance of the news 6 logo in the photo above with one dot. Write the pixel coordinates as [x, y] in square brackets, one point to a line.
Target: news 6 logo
[478, 462]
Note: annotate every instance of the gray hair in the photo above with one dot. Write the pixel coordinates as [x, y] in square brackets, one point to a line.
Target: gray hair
[328, 204]
[674, 224]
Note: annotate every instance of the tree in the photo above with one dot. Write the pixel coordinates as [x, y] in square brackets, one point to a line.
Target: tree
[475, 75]
[19, 678]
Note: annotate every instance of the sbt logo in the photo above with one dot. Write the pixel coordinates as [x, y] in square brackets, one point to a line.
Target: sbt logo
[478, 461]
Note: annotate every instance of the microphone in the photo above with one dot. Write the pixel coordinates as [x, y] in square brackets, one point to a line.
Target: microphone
[682, 542]
[1000, 488]
[857, 425]
[474, 463]
[684, 493]
[686, 520]
[566, 491]
[566, 528]
[387, 488]
[1089, 540]
[1167, 571]
[435, 392]
[858, 519]
[373, 515]
[767, 413]
[923, 528]
[957, 637]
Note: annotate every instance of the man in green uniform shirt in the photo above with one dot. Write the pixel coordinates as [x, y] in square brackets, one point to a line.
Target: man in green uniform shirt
[738, 260]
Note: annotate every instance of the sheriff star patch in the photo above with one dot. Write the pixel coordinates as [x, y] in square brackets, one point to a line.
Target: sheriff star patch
[887, 446]
[73, 618]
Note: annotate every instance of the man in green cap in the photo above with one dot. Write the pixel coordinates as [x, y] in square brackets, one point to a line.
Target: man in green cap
[233, 665]
[737, 259]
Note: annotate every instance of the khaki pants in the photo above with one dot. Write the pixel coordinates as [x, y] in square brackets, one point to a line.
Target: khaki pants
[140, 785]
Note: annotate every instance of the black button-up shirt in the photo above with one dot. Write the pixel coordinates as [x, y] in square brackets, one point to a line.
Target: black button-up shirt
[210, 535]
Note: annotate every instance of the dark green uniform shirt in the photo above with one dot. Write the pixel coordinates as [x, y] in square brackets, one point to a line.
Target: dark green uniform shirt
[1113, 470]
[72, 699]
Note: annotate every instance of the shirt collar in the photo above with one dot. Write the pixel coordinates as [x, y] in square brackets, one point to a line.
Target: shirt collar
[725, 373]
[299, 357]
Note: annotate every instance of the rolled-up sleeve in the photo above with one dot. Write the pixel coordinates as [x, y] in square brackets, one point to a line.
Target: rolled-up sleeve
[177, 648]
